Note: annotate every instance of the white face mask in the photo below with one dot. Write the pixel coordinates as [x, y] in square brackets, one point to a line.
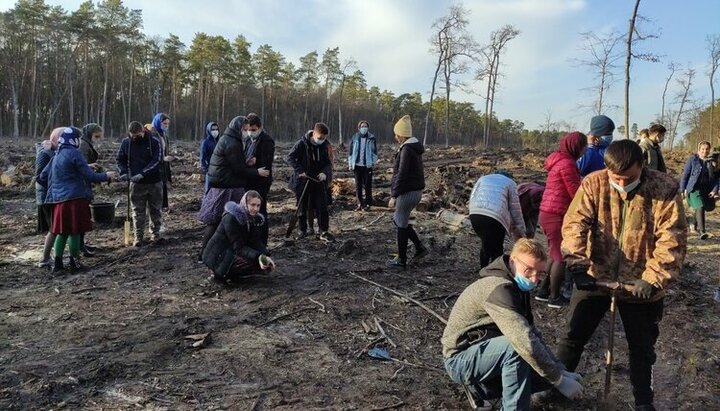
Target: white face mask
[253, 134]
[165, 127]
[245, 134]
[214, 133]
[317, 141]
[626, 189]
[363, 130]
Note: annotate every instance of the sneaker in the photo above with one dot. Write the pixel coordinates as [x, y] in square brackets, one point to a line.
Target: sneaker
[366, 208]
[477, 404]
[45, 263]
[138, 242]
[692, 229]
[327, 237]
[302, 234]
[397, 263]
[542, 295]
[359, 208]
[704, 236]
[558, 302]
[421, 252]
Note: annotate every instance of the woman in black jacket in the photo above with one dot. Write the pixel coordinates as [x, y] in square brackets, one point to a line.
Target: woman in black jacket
[408, 181]
[236, 249]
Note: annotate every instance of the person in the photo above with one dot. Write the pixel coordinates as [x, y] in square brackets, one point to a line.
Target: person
[139, 160]
[310, 161]
[45, 151]
[644, 133]
[625, 224]
[229, 175]
[361, 159]
[67, 179]
[495, 211]
[311, 217]
[91, 133]
[490, 344]
[408, 182]
[530, 194]
[650, 146]
[207, 146]
[236, 248]
[160, 128]
[699, 185]
[562, 182]
[599, 137]
[260, 153]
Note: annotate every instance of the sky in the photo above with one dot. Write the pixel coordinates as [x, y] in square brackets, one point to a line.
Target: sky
[389, 39]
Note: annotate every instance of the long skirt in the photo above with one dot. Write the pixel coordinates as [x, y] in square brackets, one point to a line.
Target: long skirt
[72, 217]
[213, 203]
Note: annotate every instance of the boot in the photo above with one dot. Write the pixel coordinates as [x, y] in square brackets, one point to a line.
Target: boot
[402, 239]
[58, 266]
[75, 265]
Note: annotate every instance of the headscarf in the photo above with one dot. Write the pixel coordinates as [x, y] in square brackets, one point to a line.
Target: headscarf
[157, 123]
[573, 144]
[89, 130]
[240, 211]
[70, 137]
[52, 142]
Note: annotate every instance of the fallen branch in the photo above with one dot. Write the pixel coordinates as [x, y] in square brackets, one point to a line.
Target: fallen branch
[322, 307]
[389, 407]
[390, 341]
[362, 227]
[370, 344]
[398, 293]
[280, 317]
[397, 372]
[82, 290]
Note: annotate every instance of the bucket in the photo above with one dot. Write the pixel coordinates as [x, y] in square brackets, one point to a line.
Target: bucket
[102, 213]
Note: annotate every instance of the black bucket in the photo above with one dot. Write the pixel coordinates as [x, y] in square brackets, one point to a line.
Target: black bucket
[103, 213]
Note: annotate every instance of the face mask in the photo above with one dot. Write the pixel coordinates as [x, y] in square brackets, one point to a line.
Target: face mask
[164, 127]
[214, 133]
[523, 283]
[363, 130]
[253, 134]
[607, 139]
[317, 141]
[628, 188]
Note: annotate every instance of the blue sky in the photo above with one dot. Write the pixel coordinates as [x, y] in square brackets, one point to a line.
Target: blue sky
[389, 40]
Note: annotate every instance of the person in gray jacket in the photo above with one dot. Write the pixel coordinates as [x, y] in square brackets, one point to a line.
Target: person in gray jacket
[495, 211]
[362, 156]
[490, 345]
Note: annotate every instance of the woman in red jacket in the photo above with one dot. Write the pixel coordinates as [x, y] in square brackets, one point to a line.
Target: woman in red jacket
[562, 182]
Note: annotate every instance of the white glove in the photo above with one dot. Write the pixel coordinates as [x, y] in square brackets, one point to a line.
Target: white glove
[569, 384]
[266, 263]
[168, 159]
[322, 177]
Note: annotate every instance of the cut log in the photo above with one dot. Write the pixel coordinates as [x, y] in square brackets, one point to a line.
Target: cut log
[343, 187]
[427, 202]
[455, 220]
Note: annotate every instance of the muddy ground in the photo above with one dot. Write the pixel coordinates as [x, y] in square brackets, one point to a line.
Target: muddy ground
[116, 335]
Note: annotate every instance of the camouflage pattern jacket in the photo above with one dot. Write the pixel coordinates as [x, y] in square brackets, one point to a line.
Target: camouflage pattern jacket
[643, 235]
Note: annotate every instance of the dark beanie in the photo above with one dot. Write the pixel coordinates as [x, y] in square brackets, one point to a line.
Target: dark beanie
[601, 126]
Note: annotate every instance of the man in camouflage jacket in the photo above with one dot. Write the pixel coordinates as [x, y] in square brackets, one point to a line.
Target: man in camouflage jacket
[627, 224]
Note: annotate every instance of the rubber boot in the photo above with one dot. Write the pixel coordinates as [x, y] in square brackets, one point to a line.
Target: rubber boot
[402, 239]
[58, 266]
[75, 265]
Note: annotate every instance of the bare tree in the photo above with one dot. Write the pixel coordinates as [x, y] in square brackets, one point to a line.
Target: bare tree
[683, 97]
[602, 60]
[347, 66]
[673, 68]
[713, 46]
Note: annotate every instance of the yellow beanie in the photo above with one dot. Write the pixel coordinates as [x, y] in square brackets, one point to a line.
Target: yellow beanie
[403, 127]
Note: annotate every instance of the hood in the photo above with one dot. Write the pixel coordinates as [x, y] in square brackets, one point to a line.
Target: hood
[157, 123]
[498, 268]
[208, 129]
[308, 139]
[89, 130]
[557, 157]
[234, 128]
[241, 214]
[414, 144]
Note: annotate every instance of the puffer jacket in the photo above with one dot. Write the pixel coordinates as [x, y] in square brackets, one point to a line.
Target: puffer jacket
[692, 171]
[408, 172]
[496, 196]
[642, 236]
[237, 234]
[593, 159]
[309, 158]
[370, 150]
[493, 306]
[653, 155]
[43, 154]
[68, 175]
[562, 182]
[228, 168]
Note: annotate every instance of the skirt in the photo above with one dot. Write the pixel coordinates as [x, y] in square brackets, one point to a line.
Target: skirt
[213, 203]
[72, 217]
[697, 200]
[552, 226]
[404, 205]
[44, 218]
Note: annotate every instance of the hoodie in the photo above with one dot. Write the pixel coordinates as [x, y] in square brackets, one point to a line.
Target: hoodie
[563, 176]
[593, 159]
[309, 158]
[207, 146]
[408, 172]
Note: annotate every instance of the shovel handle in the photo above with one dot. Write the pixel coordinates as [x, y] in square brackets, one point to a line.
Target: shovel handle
[614, 285]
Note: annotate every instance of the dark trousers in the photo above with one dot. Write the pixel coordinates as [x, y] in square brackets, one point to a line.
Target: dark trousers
[492, 236]
[641, 328]
[315, 198]
[363, 182]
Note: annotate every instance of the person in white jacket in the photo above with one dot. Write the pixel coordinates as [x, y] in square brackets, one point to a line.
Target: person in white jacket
[494, 212]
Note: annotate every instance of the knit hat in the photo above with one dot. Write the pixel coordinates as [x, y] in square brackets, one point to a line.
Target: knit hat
[601, 126]
[70, 136]
[403, 127]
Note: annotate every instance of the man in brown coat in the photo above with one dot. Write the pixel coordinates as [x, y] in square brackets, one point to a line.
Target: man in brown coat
[627, 224]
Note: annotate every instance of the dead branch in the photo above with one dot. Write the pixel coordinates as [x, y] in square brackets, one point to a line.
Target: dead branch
[370, 344]
[389, 407]
[280, 317]
[322, 307]
[379, 327]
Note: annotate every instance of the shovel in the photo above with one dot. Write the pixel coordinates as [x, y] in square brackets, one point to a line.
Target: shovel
[613, 286]
[294, 218]
[128, 225]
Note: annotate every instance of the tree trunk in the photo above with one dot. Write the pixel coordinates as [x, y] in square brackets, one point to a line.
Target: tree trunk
[712, 110]
[16, 109]
[667, 83]
[628, 60]
[432, 90]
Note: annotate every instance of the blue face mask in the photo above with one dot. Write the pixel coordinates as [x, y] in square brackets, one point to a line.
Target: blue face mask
[523, 283]
[628, 188]
[363, 130]
[607, 139]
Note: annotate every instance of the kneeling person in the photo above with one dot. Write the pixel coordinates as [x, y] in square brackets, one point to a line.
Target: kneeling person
[490, 345]
[236, 249]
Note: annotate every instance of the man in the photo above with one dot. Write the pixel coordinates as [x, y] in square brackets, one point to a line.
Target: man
[652, 155]
[599, 137]
[490, 343]
[139, 160]
[259, 153]
[625, 224]
[362, 156]
[310, 160]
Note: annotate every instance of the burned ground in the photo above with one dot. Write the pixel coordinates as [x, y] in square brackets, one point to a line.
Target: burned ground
[146, 329]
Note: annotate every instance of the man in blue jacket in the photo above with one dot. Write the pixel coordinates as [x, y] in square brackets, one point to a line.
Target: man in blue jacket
[361, 159]
[599, 138]
[139, 160]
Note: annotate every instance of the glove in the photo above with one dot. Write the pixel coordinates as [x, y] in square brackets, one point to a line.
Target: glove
[569, 384]
[322, 177]
[642, 289]
[137, 177]
[123, 177]
[583, 281]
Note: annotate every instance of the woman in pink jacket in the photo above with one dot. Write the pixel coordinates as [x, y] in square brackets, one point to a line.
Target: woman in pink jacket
[562, 182]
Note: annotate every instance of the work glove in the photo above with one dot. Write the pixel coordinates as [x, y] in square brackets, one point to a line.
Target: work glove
[569, 384]
[642, 289]
[266, 263]
[137, 177]
[322, 177]
[583, 281]
[123, 177]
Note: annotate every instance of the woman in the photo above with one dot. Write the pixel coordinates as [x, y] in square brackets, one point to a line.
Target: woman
[495, 211]
[91, 133]
[207, 146]
[160, 127]
[236, 248]
[361, 159]
[699, 185]
[228, 174]
[67, 177]
[562, 182]
[408, 181]
[45, 152]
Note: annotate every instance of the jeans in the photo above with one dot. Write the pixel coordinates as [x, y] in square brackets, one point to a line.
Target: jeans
[493, 365]
[640, 321]
[363, 181]
[492, 236]
[146, 197]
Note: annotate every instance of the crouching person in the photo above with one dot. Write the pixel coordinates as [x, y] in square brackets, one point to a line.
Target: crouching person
[236, 249]
[490, 345]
